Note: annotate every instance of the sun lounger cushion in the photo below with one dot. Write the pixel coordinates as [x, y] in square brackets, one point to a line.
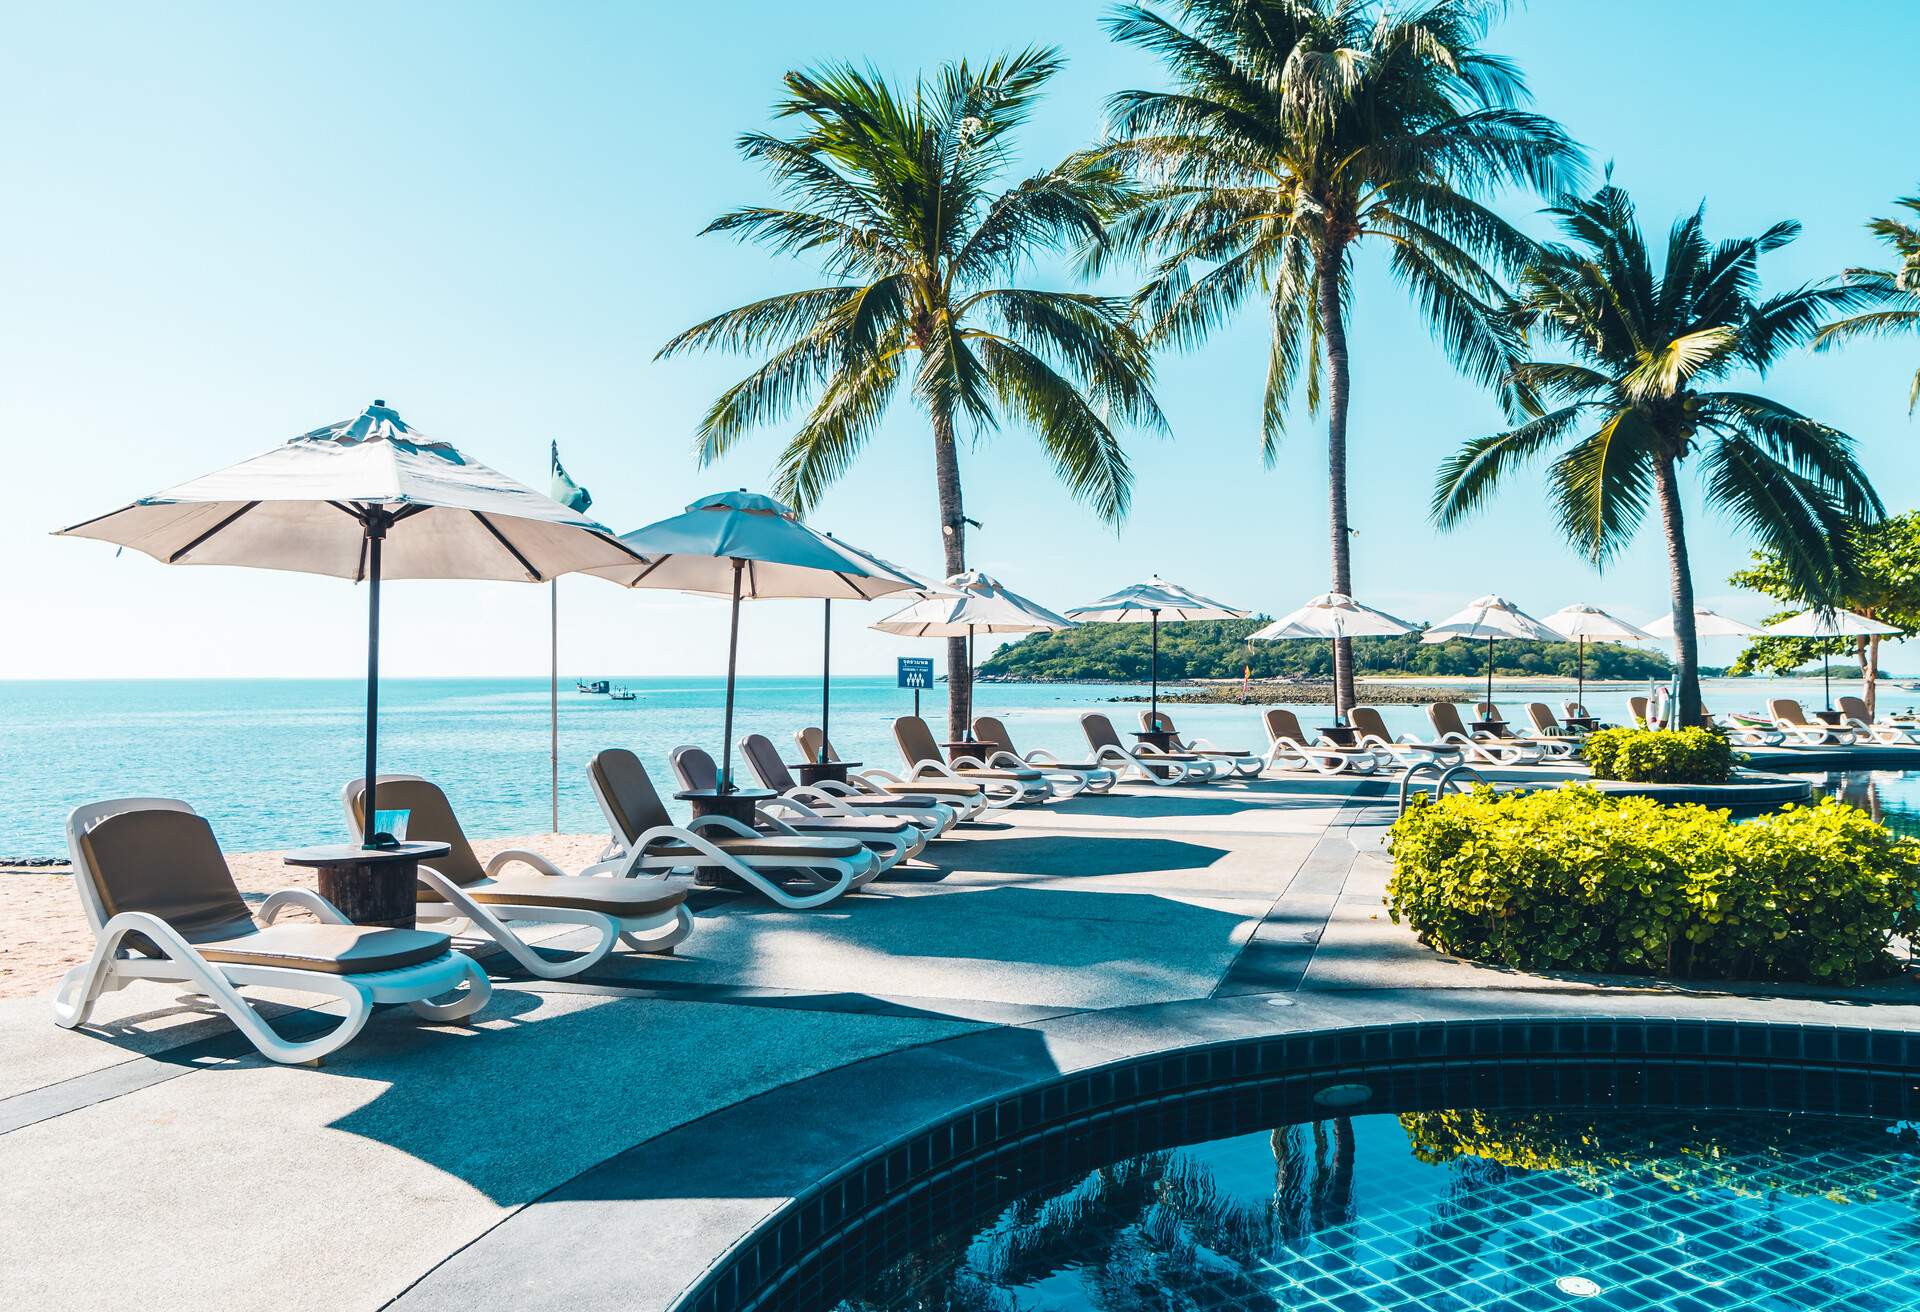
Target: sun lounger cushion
[1024, 776]
[169, 864]
[794, 851]
[931, 788]
[851, 825]
[616, 897]
[333, 949]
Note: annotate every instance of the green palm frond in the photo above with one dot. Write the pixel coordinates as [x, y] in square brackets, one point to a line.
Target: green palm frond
[1085, 453]
[1789, 515]
[1469, 478]
[1890, 297]
[1601, 486]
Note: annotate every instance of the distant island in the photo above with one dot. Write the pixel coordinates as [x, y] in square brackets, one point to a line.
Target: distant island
[1096, 653]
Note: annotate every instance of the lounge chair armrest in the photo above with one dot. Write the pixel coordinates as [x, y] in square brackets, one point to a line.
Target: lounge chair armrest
[725, 824]
[775, 808]
[304, 898]
[500, 860]
[679, 837]
[1008, 761]
[775, 823]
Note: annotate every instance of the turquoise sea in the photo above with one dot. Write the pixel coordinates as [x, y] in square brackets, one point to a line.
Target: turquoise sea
[265, 759]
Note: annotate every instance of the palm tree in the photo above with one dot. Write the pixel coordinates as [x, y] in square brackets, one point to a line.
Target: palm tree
[1631, 405]
[895, 192]
[1896, 292]
[1298, 133]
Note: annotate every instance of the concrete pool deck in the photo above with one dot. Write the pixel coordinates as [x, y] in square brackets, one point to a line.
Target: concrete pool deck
[603, 1141]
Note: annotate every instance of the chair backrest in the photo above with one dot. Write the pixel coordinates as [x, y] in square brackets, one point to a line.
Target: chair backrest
[1369, 722]
[808, 741]
[154, 854]
[694, 767]
[1786, 708]
[1637, 708]
[915, 741]
[1854, 708]
[1491, 711]
[1445, 718]
[1283, 723]
[1100, 732]
[1157, 722]
[765, 763]
[1542, 716]
[627, 796]
[1576, 710]
[431, 820]
[990, 731]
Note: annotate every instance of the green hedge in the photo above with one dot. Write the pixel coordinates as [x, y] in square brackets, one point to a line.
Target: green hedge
[1660, 756]
[1569, 879]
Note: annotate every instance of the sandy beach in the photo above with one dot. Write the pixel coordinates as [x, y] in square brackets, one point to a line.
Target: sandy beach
[42, 930]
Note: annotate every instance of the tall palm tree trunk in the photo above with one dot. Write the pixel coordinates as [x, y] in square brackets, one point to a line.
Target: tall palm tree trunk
[1333, 324]
[953, 538]
[1686, 642]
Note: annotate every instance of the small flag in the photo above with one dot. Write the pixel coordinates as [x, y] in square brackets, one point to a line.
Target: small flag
[564, 490]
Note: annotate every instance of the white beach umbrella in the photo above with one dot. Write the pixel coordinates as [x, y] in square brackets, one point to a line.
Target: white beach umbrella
[1332, 615]
[971, 603]
[1817, 623]
[1492, 618]
[1151, 601]
[1706, 624]
[367, 498]
[745, 545]
[1581, 621]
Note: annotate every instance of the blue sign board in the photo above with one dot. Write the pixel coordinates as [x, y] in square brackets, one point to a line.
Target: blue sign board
[916, 671]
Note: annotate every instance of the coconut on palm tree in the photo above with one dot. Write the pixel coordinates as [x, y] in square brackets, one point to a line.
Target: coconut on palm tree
[1298, 134]
[1894, 293]
[896, 192]
[1639, 396]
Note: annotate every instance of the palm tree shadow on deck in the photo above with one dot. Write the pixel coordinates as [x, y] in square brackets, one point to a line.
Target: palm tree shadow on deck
[1062, 856]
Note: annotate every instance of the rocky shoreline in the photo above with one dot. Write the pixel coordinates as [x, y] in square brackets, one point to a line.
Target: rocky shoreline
[1272, 693]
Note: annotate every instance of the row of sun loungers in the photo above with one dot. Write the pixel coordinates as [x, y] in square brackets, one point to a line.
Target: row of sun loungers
[163, 904]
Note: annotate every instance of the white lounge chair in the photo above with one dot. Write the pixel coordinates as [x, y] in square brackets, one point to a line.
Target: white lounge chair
[1407, 749]
[893, 841]
[163, 906]
[1290, 748]
[716, 846]
[1237, 760]
[966, 798]
[1743, 735]
[1547, 725]
[931, 817]
[1144, 761]
[1449, 728]
[1557, 746]
[1068, 778]
[1005, 786]
[1886, 732]
[1790, 719]
[648, 915]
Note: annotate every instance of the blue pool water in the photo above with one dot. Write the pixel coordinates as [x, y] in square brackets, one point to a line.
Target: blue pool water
[1459, 1212]
[264, 759]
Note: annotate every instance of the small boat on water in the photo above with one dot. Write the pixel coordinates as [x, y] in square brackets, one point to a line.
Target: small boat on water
[597, 686]
[622, 694]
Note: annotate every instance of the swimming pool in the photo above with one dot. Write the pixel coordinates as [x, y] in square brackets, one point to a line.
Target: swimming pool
[1890, 796]
[1451, 1209]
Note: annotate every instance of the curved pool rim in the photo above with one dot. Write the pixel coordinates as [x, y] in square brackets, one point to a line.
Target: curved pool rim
[1092, 1116]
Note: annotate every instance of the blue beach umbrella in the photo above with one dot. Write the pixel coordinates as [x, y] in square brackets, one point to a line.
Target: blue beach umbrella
[745, 545]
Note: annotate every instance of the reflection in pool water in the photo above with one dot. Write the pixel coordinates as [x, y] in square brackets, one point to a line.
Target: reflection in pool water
[1458, 1210]
[1890, 796]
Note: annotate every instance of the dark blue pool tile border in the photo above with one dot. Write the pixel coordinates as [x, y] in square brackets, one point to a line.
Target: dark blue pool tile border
[883, 1203]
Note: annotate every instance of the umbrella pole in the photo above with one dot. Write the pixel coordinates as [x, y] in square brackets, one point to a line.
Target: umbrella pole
[826, 672]
[1489, 673]
[1153, 701]
[376, 522]
[1336, 682]
[967, 731]
[553, 701]
[1582, 694]
[733, 655]
[1826, 679]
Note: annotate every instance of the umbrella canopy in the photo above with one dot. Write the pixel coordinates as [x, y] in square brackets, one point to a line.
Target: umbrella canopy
[1151, 601]
[1492, 618]
[1817, 623]
[1706, 624]
[746, 545]
[1581, 622]
[972, 603]
[1332, 615]
[365, 498]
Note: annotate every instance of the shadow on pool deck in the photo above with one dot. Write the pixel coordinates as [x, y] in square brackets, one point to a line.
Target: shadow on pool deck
[1060, 856]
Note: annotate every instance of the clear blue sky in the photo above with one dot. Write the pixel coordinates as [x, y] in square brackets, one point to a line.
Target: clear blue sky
[227, 224]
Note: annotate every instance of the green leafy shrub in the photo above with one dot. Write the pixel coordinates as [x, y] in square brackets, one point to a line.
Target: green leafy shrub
[1570, 879]
[1660, 756]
